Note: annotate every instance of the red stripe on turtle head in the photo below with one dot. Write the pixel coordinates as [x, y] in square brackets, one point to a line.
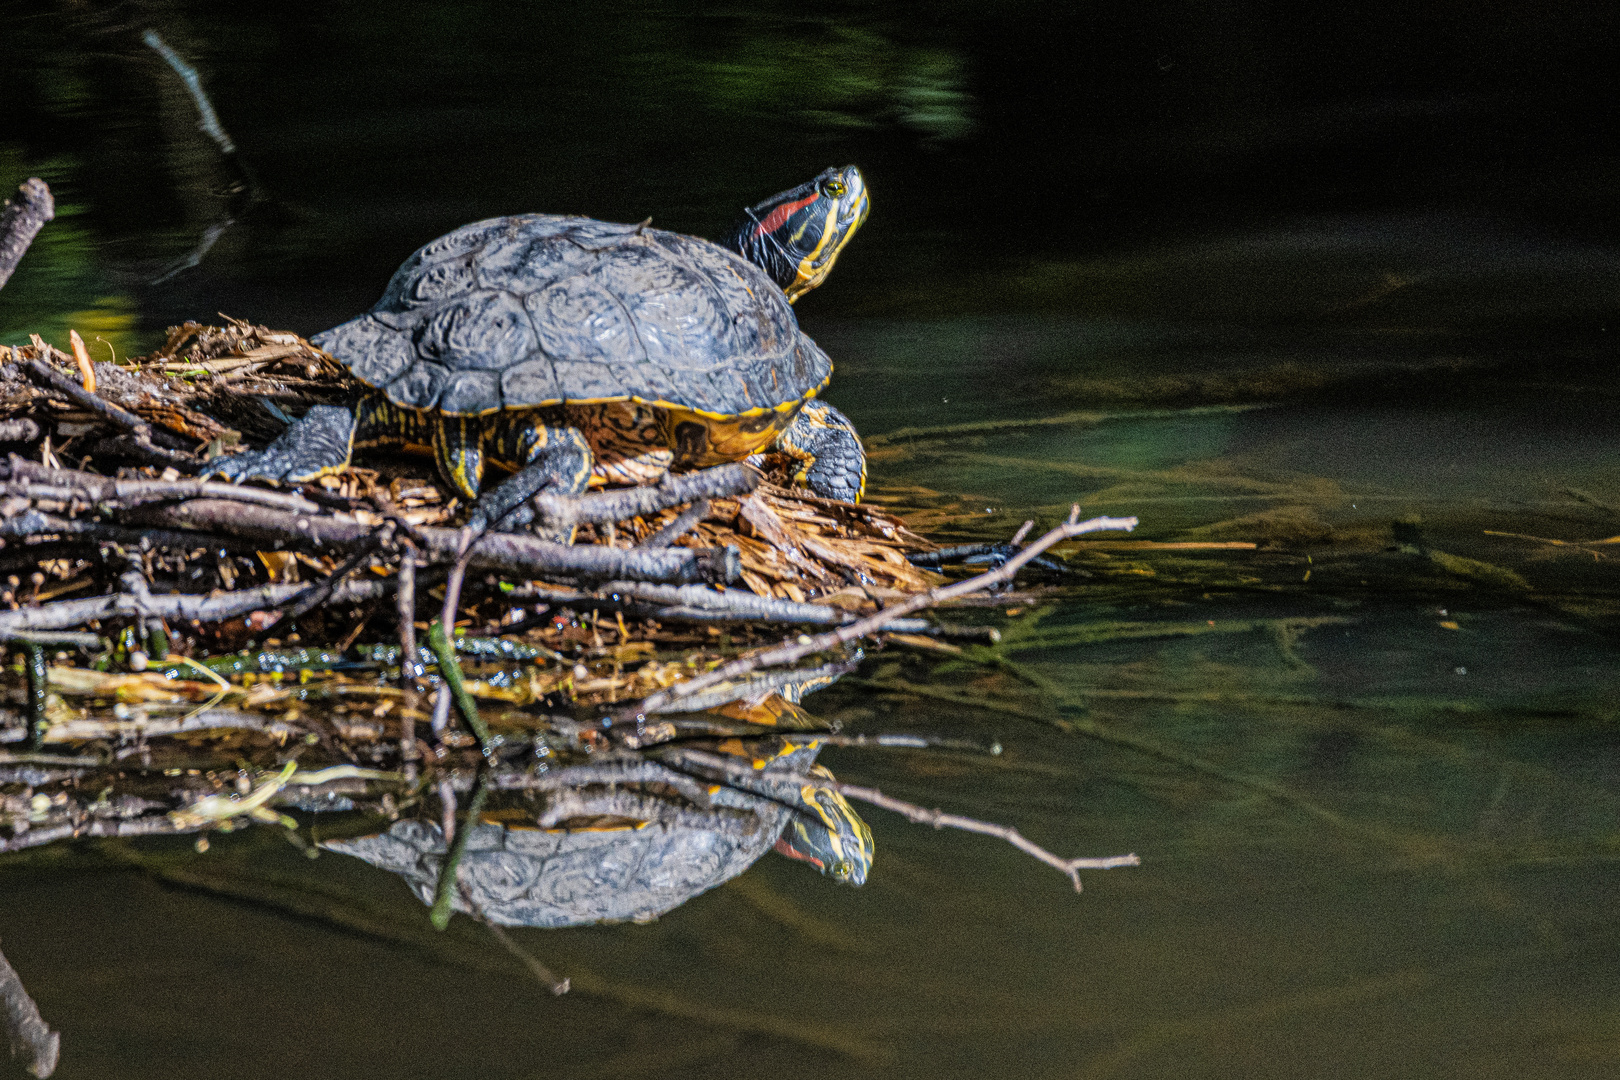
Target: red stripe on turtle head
[784, 847]
[776, 218]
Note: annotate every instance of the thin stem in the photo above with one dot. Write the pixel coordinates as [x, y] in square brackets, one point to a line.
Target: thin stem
[450, 672]
[444, 892]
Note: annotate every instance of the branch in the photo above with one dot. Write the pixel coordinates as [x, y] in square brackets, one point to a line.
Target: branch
[510, 552]
[210, 124]
[104, 491]
[31, 1037]
[120, 417]
[789, 653]
[703, 604]
[183, 606]
[684, 522]
[321, 591]
[20, 222]
[562, 511]
[941, 820]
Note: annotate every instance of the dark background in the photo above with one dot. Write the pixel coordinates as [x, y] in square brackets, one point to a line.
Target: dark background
[997, 136]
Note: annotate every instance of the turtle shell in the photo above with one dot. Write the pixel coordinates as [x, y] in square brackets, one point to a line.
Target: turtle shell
[520, 312]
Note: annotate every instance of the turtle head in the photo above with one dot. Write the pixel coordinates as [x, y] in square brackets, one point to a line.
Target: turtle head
[796, 236]
[826, 832]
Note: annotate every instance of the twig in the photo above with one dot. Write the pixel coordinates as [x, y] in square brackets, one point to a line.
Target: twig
[410, 668]
[753, 687]
[59, 760]
[63, 637]
[21, 429]
[81, 357]
[194, 257]
[546, 977]
[940, 820]
[385, 506]
[116, 415]
[733, 603]
[31, 1037]
[38, 684]
[789, 653]
[30, 525]
[699, 604]
[320, 592]
[450, 672]
[210, 124]
[105, 491]
[563, 511]
[684, 522]
[20, 221]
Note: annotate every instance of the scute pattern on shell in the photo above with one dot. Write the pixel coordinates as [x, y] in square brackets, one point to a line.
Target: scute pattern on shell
[537, 309]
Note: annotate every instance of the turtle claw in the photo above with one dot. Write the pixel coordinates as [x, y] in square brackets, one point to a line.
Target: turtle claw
[317, 444]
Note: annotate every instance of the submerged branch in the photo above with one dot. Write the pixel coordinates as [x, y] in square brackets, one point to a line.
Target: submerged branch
[941, 820]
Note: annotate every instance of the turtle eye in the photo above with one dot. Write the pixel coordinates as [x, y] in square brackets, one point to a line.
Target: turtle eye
[834, 189]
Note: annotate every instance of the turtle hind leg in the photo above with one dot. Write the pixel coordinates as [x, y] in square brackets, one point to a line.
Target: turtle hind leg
[833, 460]
[318, 443]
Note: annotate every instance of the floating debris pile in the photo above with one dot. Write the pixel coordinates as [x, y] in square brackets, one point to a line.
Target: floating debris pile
[188, 655]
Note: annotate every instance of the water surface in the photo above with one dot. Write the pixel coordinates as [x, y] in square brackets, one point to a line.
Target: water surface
[1370, 766]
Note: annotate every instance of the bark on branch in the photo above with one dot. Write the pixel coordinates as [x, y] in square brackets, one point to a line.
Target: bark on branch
[30, 478]
[116, 415]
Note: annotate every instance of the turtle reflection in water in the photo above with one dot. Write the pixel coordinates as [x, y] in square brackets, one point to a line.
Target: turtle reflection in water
[595, 353]
[630, 840]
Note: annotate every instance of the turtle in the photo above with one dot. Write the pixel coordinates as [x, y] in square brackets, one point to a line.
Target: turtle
[598, 353]
[615, 866]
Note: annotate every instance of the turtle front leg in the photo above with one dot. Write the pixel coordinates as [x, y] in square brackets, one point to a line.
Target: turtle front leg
[558, 460]
[318, 443]
[834, 462]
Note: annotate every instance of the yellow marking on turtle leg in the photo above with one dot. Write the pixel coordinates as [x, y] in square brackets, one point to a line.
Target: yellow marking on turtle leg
[460, 448]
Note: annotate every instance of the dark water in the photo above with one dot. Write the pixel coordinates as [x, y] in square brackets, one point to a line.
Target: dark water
[1371, 767]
